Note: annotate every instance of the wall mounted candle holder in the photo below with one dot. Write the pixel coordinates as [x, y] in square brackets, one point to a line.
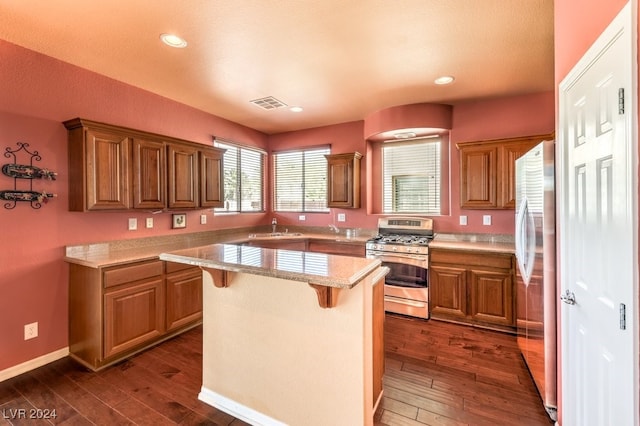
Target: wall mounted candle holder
[25, 173]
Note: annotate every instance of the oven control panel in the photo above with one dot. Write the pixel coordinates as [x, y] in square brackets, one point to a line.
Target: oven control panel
[396, 248]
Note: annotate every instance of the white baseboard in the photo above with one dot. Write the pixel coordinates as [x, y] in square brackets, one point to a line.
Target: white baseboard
[33, 364]
[237, 410]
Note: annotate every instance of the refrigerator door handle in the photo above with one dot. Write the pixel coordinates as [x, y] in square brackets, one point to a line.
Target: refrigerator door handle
[525, 241]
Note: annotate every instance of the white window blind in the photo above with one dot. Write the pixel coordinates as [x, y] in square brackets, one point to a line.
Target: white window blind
[243, 178]
[411, 176]
[300, 180]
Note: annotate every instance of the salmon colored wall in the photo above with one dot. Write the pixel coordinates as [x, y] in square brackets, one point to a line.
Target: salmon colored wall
[493, 119]
[476, 120]
[577, 24]
[38, 93]
[343, 138]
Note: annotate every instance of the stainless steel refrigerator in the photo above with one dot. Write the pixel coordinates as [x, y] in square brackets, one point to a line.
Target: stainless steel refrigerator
[536, 271]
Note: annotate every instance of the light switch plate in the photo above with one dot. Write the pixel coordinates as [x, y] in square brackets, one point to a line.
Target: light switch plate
[486, 219]
[302, 217]
[463, 220]
[133, 224]
[342, 217]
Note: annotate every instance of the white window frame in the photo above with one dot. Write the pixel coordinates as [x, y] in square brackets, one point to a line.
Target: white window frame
[241, 150]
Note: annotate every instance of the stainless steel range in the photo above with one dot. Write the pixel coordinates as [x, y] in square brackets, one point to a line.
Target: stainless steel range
[402, 244]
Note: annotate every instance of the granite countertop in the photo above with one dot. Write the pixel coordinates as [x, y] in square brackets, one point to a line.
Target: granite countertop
[113, 253]
[317, 268]
[495, 243]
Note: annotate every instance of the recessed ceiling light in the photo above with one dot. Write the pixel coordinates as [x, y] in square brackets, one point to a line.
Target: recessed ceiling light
[296, 109]
[445, 79]
[173, 40]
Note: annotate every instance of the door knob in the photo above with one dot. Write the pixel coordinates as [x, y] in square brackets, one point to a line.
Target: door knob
[568, 297]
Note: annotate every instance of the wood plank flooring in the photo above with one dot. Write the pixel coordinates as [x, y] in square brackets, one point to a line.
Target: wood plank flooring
[436, 374]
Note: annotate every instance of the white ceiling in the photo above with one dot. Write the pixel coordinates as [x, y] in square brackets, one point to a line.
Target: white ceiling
[341, 60]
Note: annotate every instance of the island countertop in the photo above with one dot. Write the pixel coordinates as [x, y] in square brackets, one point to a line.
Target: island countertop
[317, 268]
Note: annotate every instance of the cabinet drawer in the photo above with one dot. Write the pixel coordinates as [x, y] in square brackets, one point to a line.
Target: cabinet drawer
[129, 273]
[484, 259]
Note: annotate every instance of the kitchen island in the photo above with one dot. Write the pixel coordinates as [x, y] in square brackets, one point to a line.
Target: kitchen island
[290, 337]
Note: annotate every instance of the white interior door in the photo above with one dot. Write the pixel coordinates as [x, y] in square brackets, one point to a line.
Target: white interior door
[598, 232]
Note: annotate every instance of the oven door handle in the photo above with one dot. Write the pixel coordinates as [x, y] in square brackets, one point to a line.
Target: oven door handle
[418, 260]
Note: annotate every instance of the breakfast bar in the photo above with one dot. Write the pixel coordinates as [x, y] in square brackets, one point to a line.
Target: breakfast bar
[290, 337]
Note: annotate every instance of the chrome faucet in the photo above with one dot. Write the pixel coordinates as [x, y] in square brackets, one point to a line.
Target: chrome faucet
[274, 223]
[334, 228]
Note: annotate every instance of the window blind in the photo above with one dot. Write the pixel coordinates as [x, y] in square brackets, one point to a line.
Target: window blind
[300, 180]
[243, 178]
[411, 176]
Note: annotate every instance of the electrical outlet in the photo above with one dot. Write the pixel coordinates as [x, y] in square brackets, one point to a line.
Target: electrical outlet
[486, 219]
[342, 217]
[149, 222]
[203, 219]
[133, 224]
[463, 220]
[31, 331]
[302, 217]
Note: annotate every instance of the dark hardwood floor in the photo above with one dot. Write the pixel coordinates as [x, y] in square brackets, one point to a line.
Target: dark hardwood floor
[436, 374]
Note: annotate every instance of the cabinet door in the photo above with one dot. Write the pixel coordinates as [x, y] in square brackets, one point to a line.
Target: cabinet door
[184, 298]
[107, 171]
[133, 316]
[211, 178]
[149, 170]
[448, 292]
[492, 297]
[478, 168]
[507, 175]
[343, 180]
[182, 176]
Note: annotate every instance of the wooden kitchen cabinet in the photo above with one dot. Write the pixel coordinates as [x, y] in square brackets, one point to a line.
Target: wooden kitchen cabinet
[133, 315]
[118, 310]
[473, 287]
[211, 177]
[184, 295]
[116, 168]
[487, 171]
[183, 175]
[343, 180]
[149, 174]
[99, 169]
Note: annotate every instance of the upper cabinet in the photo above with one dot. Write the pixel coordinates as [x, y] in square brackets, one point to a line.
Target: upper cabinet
[343, 180]
[115, 168]
[488, 171]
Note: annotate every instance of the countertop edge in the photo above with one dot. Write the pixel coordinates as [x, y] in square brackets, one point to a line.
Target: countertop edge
[335, 282]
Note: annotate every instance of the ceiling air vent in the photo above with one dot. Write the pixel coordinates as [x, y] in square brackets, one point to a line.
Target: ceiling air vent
[268, 102]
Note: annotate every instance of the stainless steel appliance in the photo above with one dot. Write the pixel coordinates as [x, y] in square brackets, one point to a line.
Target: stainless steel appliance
[402, 244]
[536, 276]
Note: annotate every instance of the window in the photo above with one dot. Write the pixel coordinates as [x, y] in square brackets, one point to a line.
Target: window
[243, 178]
[411, 176]
[300, 180]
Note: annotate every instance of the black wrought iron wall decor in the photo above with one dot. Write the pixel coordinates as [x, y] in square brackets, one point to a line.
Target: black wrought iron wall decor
[23, 173]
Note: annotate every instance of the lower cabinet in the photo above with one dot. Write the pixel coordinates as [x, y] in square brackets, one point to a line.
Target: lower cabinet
[473, 287]
[184, 295]
[119, 310]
